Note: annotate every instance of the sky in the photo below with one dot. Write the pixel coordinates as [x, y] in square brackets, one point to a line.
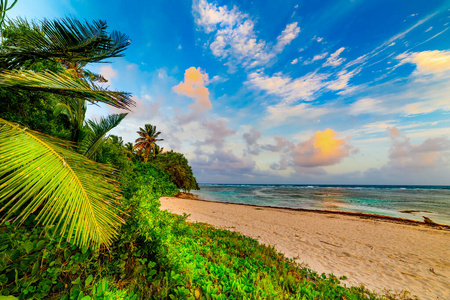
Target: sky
[301, 92]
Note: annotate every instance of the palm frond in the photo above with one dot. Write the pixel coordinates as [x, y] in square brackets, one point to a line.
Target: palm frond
[4, 8]
[71, 193]
[65, 39]
[97, 131]
[64, 84]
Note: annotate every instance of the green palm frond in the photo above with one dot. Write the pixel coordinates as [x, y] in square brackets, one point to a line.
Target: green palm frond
[147, 140]
[65, 39]
[4, 7]
[66, 190]
[64, 84]
[97, 131]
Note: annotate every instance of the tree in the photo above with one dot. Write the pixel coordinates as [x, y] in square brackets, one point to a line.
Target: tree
[42, 174]
[178, 167]
[147, 141]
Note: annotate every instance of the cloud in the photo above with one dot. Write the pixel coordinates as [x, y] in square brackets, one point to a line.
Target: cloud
[217, 132]
[294, 61]
[316, 58]
[223, 163]
[341, 82]
[209, 16]
[281, 165]
[282, 113]
[251, 140]
[425, 107]
[281, 145]
[334, 60]
[252, 137]
[366, 106]
[323, 149]
[193, 87]
[286, 37]
[403, 155]
[428, 62]
[305, 88]
[108, 72]
[288, 89]
[235, 38]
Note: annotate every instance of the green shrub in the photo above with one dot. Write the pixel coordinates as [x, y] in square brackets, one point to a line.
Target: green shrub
[158, 255]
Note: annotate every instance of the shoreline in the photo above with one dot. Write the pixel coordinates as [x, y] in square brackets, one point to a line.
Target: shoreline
[377, 251]
[397, 220]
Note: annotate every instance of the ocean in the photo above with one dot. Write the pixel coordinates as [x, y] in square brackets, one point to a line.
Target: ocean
[408, 202]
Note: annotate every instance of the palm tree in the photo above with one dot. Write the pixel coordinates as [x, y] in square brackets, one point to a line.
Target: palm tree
[129, 149]
[4, 8]
[147, 141]
[43, 174]
[96, 131]
[117, 140]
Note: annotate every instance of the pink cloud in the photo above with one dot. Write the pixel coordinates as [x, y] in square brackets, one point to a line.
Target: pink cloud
[193, 87]
[323, 149]
[432, 153]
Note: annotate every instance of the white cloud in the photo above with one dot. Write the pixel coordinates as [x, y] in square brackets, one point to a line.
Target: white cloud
[366, 106]
[209, 15]
[288, 89]
[282, 113]
[334, 60]
[285, 38]
[341, 81]
[428, 62]
[235, 38]
[108, 72]
[316, 58]
[294, 61]
[424, 107]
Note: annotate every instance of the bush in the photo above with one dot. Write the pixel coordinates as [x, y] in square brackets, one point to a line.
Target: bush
[157, 255]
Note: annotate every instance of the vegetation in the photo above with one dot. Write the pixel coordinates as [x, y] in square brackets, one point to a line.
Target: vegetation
[178, 167]
[146, 143]
[64, 197]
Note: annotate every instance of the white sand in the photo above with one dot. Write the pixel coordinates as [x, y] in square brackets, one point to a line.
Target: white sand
[379, 254]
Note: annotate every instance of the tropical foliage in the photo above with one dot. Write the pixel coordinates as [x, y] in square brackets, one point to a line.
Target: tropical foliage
[69, 205]
[45, 175]
[41, 174]
[146, 143]
[159, 256]
[178, 167]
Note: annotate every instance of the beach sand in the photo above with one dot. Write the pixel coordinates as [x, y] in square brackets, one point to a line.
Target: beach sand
[381, 254]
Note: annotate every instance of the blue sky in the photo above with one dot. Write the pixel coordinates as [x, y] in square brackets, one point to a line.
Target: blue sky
[336, 92]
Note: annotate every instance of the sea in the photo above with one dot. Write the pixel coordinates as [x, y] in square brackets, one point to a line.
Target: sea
[408, 202]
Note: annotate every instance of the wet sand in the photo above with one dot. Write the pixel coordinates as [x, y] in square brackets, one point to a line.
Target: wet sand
[377, 252]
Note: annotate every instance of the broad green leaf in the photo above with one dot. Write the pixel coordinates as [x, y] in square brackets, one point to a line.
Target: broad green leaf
[69, 192]
[63, 83]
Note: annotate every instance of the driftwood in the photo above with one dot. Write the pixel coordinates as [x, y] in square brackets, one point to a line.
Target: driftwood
[428, 221]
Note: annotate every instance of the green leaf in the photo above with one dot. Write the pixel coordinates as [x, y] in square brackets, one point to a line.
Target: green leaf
[8, 298]
[76, 195]
[88, 280]
[63, 83]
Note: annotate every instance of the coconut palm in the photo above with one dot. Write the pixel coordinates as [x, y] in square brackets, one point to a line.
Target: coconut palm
[39, 173]
[147, 141]
[70, 192]
[68, 42]
[4, 8]
[96, 131]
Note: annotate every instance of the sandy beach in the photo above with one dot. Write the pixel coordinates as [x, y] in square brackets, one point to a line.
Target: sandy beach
[381, 254]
